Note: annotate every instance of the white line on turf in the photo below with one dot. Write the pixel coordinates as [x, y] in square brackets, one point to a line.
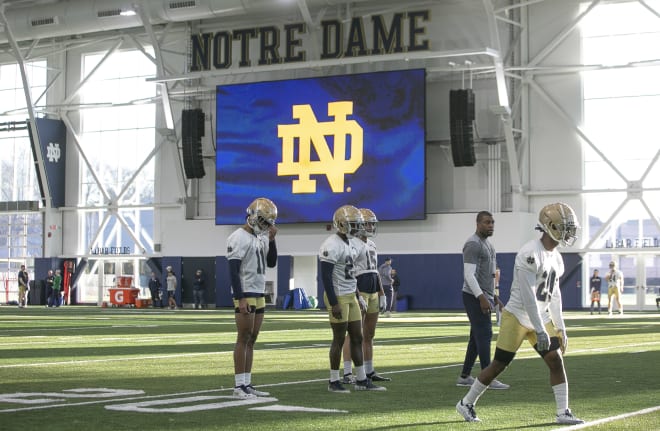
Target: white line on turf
[609, 419]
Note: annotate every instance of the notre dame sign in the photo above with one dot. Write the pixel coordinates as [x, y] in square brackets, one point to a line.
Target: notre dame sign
[405, 33]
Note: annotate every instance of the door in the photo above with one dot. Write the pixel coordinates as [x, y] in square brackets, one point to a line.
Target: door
[643, 286]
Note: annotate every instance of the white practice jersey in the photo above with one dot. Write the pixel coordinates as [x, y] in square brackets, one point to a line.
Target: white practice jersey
[251, 250]
[334, 250]
[538, 270]
[367, 257]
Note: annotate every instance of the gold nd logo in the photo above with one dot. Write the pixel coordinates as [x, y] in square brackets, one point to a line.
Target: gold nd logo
[310, 132]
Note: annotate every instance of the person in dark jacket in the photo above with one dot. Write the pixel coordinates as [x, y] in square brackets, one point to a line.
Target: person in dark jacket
[199, 289]
[154, 289]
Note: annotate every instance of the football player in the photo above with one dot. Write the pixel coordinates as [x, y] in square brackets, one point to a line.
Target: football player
[337, 256]
[534, 311]
[614, 280]
[250, 249]
[371, 290]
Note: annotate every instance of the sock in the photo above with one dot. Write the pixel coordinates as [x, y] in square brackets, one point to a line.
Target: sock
[239, 379]
[476, 390]
[248, 379]
[334, 375]
[348, 367]
[368, 367]
[561, 397]
[360, 374]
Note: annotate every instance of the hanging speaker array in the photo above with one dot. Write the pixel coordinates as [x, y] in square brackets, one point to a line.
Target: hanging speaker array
[461, 119]
[192, 131]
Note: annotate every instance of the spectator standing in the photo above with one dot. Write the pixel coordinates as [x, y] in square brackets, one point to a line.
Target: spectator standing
[479, 297]
[171, 288]
[396, 283]
[154, 290]
[385, 273]
[594, 290]
[199, 290]
[49, 286]
[23, 280]
[56, 297]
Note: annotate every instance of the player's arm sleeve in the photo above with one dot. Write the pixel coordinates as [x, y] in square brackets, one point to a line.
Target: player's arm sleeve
[469, 270]
[234, 276]
[527, 280]
[326, 277]
[555, 308]
[271, 257]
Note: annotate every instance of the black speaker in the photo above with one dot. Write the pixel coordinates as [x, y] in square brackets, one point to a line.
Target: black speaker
[192, 130]
[461, 118]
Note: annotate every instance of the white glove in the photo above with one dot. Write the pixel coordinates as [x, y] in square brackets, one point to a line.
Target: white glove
[542, 341]
[382, 303]
[563, 340]
[363, 303]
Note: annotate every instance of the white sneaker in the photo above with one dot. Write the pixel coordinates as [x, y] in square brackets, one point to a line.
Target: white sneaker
[464, 381]
[467, 411]
[251, 390]
[496, 384]
[567, 418]
[242, 393]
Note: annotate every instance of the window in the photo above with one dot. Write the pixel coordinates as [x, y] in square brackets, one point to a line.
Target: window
[620, 118]
[20, 233]
[117, 137]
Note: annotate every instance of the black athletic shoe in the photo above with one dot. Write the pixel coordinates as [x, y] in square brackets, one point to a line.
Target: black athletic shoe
[375, 377]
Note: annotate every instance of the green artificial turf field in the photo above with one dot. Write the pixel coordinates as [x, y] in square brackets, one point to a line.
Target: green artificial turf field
[89, 368]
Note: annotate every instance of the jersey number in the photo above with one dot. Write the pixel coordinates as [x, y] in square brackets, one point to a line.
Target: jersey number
[261, 261]
[544, 290]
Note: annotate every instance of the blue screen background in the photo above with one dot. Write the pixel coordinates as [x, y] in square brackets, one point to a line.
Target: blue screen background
[390, 107]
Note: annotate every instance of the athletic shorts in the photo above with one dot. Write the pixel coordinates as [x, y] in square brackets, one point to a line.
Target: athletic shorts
[350, 308]
[257, 304]
[373, 306]
[512, 333]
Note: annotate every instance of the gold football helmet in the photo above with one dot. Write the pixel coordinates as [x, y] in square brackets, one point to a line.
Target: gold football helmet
[348, 220]
[370, 222]
[560, 222]
[261, 214]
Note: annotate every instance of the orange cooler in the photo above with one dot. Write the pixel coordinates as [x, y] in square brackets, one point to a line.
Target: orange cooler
[123, 296]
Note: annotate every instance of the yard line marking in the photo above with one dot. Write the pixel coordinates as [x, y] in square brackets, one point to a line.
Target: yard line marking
[609, 419]
[532, 354]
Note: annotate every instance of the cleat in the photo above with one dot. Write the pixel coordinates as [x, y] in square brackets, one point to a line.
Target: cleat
[496, 384]
[348, 379]
[467, 411]
[337, 388]
[251, 390]
[567, 418]
[464, 381]
[367, 385]
[242, 393]
[375, 377]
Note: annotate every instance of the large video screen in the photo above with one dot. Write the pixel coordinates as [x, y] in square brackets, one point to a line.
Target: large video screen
[312, 145]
